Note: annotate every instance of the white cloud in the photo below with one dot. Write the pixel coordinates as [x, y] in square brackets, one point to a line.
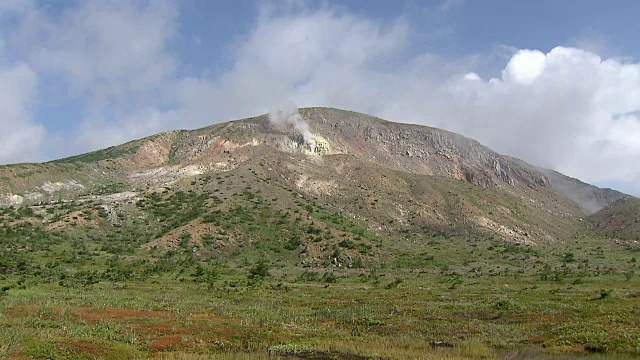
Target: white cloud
[293, 56]
[560, 109]
[524, 67]
[112, 55]
[117, 45]
[471, 76]
[21, 138]
[567, 109]
[130, 126]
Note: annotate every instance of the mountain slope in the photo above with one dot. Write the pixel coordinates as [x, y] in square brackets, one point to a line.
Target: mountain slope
[359, 179]
[620, 220]
[589, 197]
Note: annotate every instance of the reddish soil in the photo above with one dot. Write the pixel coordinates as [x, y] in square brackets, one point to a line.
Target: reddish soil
[536, 340]
[87, 348]
[20, 311]
[168, 342]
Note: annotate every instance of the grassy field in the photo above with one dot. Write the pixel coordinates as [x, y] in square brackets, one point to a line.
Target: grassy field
[301, 313]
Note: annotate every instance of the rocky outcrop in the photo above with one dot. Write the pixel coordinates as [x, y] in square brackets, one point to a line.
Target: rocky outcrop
[420, 149]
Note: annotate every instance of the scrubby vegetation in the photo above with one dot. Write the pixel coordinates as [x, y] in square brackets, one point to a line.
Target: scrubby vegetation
[109, 153]
[231, 285]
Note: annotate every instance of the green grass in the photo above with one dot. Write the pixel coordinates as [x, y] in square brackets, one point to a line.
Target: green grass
[109, 153]
[479, 318]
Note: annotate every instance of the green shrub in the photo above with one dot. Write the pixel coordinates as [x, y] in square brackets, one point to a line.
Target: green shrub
[393, 284]
[329, 277]
[308, 276]
[258, 272]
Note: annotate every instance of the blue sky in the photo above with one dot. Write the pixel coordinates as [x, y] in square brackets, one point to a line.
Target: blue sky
[556, 83]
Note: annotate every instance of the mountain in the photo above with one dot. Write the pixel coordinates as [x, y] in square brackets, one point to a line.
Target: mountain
[353, 179]
[620, 219]
[589, 197]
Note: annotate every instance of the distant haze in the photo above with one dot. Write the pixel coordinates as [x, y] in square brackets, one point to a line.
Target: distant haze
[86, 75]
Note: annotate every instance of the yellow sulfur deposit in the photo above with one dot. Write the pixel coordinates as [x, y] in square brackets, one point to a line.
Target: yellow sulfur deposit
[320, 146]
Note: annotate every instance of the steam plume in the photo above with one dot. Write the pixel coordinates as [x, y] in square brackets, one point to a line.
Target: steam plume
[286, 113]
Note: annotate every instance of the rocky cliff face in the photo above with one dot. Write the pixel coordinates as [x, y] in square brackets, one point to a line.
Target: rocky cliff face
[420, 149]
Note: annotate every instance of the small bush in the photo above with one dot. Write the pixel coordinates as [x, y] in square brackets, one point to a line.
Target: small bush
[506, 304]
[308, 276]
[329, 277]
[259, 271]
[393, 284]
[348, 244]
